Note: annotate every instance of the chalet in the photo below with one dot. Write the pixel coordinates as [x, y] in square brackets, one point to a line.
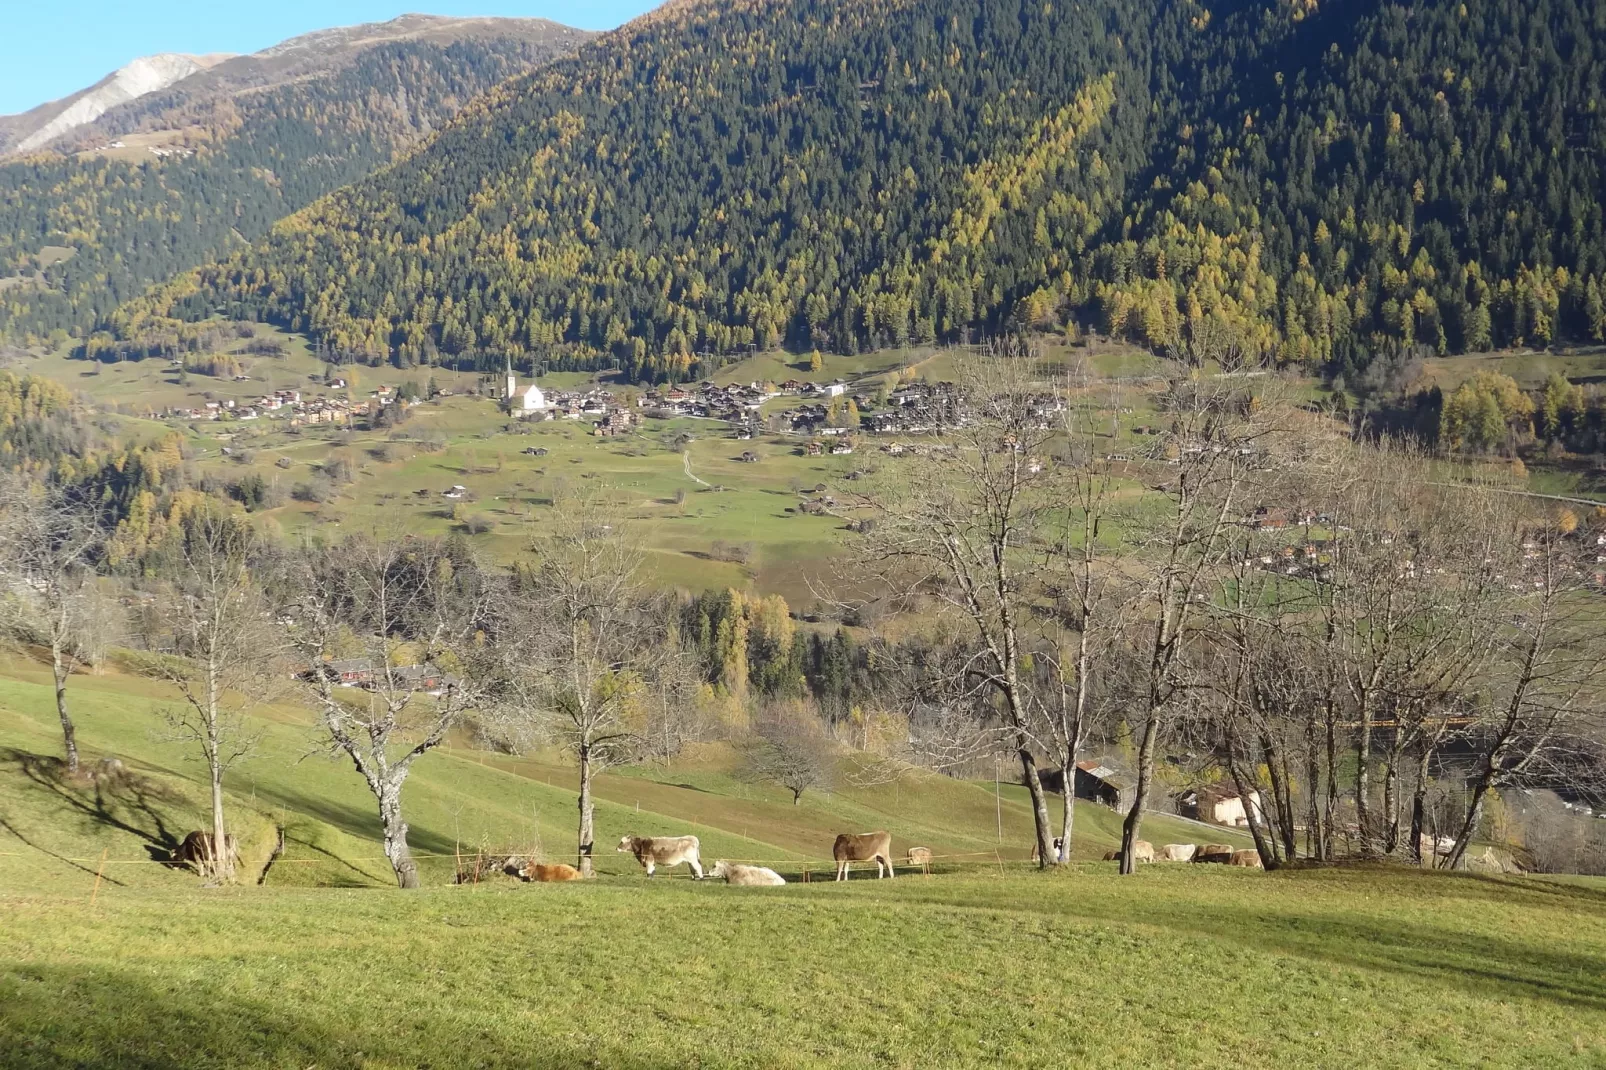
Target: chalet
[1095, 782]
[1219, 806]
[350, 672]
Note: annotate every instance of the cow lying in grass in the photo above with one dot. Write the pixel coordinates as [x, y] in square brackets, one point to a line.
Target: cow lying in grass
[747, 876]
[655, 851]
[863, 847]
[1177, 852]
[543, 873]
[1214, 852]
[1142, 851]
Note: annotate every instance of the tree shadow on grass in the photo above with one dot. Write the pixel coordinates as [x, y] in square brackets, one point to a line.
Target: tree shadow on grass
[55, 1016]
[354, 821]
[118, 799]
[1477, 962]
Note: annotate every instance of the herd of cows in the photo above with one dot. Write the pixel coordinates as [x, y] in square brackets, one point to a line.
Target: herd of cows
[669, 851]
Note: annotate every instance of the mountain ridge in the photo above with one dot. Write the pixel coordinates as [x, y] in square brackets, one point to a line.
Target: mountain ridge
[1291, 182]
[205, 165]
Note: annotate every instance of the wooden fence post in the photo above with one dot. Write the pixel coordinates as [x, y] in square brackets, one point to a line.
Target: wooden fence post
[98, 872]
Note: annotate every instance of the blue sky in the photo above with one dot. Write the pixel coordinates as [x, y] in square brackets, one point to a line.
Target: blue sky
[51, 48]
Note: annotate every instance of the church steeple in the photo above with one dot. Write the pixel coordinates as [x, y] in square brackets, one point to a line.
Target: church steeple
[511, 384]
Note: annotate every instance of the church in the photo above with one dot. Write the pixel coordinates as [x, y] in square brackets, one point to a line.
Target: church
[524, 402]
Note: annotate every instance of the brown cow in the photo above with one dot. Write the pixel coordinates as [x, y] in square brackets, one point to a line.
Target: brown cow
[1142, 851]
[919, 856]
[545, 874]
[1214, 852]
[1247, 859]
[654, 851]
[197, 850]
[864, 847]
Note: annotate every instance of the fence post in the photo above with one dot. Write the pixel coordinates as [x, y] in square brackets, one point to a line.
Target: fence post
[98, 872]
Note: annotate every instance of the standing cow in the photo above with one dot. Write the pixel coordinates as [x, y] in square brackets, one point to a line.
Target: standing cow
[863, 847]
[919, 857]
[654, 851]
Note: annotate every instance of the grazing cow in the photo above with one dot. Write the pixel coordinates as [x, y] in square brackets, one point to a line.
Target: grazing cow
[1177, 852]
[919, 856]
[1058, 843]
[197, 849]
[666, 851]
[545, 874]
[1142, 851]
[1214, 852]
[864, 847]
[747, 876]
[1247, 859]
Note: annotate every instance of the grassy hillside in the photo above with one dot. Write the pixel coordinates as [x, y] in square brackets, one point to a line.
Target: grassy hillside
[53, 831]
[986, 963]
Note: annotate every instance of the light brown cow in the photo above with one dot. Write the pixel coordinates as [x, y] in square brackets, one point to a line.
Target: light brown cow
[545, 874]
[863, 847]
[1177, 852]
[1247, 859]
[746, 876]
[1214, 852]
[654, 851]
[1142, 851]
[919, 856]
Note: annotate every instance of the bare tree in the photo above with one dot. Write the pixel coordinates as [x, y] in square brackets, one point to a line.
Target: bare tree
[789, 747]
[215, 621]
[1218, 445]
[582, 645]
[50, 543]
[387, 632]
[1549, 684]
[965, 534]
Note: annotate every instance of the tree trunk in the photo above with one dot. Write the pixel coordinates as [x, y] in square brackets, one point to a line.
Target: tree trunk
[1330, 826]
[1034, 788]
[1419, 806]
[587, 834]
[1068, 814]
[1391, 804]
[223, 858]
[1363, 776]
[1315, 835]
[69, 734]
[1133, 824]
[401, 859]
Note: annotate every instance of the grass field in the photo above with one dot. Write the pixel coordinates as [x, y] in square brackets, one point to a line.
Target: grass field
[1178, 966]
[985, 963]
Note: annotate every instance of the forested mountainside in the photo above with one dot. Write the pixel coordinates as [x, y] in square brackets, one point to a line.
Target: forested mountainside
[1248, 181]
[213, 161]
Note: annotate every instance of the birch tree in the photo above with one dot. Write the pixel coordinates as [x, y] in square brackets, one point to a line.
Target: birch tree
[51, 541]
[390, 640]
[215, 621]
[966, 532]
[580, 648]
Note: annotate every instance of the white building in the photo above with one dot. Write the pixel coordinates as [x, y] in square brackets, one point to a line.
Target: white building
[522, 402]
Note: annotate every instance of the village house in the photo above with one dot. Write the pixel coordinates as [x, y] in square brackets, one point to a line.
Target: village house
[1219, 806]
